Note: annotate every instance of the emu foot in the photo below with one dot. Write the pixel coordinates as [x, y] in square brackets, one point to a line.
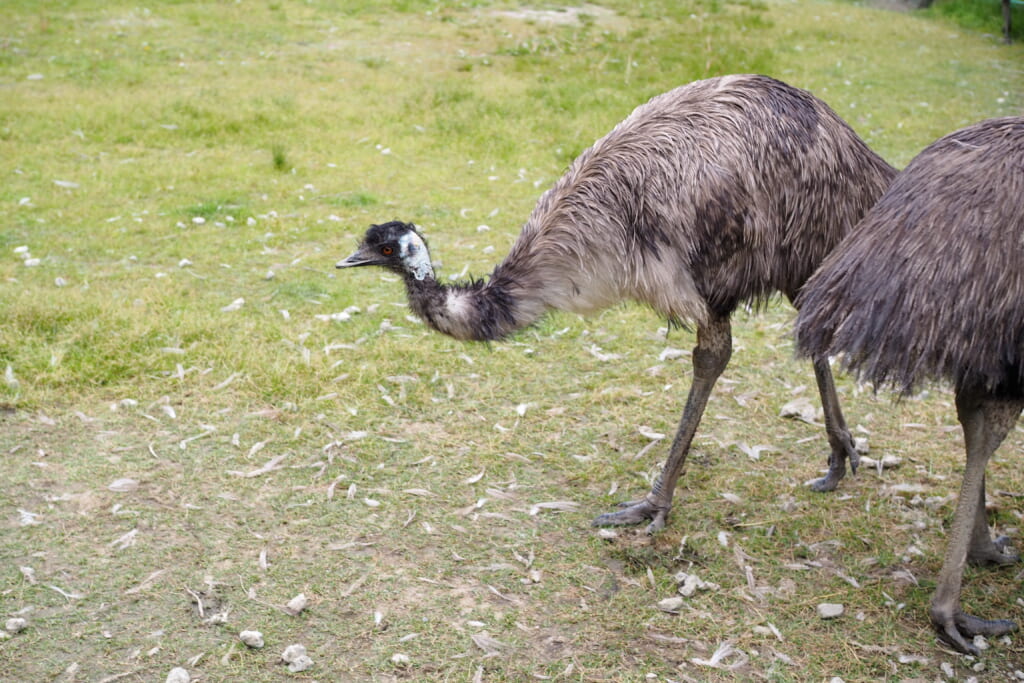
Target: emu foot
[636, 512]
[992, 552]
[837, 466]
[959, 630]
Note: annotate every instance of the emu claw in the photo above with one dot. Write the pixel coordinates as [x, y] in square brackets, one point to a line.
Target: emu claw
[837, 467]
[953, 630]
[993, 553]
[636, 512]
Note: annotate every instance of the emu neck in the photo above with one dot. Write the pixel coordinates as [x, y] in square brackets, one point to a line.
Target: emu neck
[477, 310]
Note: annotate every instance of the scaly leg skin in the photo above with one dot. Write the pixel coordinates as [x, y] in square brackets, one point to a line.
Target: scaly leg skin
[835, 426]
[710, 356]
[984, 550]
[985, 421]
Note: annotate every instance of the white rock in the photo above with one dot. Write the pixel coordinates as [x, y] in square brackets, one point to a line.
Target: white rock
[16, 625]
[670, 604]
[253, 639]
[296, 658]
[178, 675]
[297, 604]
[829, 610]
[400, 659]
[607, 534]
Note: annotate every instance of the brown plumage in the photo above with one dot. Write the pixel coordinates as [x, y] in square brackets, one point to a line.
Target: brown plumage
[715, 193]
[930, 285]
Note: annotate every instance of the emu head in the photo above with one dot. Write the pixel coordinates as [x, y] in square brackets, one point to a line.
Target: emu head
[397, 246]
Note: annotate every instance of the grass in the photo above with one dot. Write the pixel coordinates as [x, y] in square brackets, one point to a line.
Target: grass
[214, 152]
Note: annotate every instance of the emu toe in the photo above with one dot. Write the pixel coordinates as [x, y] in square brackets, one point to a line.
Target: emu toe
[959, 630]
[837, 466]
[636, 512]
[993, 553]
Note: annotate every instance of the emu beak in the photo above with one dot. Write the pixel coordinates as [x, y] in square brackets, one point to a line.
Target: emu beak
[362, 257]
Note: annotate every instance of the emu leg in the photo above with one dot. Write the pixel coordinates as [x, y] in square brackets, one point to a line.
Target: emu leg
[985, 421]
[835, 426]
[710, 356]
[984, 550]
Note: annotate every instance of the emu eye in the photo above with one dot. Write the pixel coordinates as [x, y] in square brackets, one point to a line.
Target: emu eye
[387, 251]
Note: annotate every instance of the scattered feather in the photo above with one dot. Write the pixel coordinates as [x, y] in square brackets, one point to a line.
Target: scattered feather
[26, 518]
[125, 541]
[233, 306]
[595, 351]
[672, 354]
[269, 466]
[557, 506]
[475, 478]
[754, 452]
[650, 433]
[724, 651]
[145, 583]
[67, 595]
[123, 485]
[489, 645]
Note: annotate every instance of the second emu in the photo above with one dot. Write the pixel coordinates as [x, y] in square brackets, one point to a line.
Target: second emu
[931, 286]
[716, 193]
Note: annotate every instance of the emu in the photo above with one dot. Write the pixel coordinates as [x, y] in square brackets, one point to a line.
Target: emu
[930, 285]
[716, 193]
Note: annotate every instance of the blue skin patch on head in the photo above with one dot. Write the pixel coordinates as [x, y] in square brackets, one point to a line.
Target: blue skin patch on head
[414, 254]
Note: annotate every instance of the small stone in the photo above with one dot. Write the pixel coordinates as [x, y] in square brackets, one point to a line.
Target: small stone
[400, 659]
[178, 675]
[979, 642]
[16, 625]
[607, 534]
[670, 604]
[296, 604]
[253, 639]
[296, 658]
[829, 610]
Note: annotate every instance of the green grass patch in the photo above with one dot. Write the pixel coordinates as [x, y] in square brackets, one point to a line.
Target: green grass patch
[179, 181]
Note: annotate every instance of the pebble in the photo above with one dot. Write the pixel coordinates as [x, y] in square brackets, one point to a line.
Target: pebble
[670, 604]
[829, 610]
[296, 658]
[178, 675]
[253, 639]
[297, 604]
[400, 659]
[16, 625]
